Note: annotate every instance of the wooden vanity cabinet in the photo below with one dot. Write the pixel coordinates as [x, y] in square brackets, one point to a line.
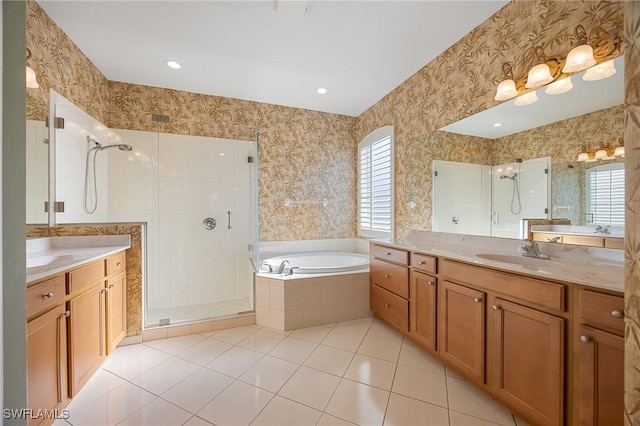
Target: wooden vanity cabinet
[47, 362]
[389, 281]
[423, 309]
[116, 311]
[599, 348]
[461, 329]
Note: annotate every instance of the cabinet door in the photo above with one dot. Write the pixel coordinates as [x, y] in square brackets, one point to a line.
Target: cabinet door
[528, 352]
[461, 336]
[47, 362]
[87, 340]
[601, 388]
[116, 311]
[423, 309]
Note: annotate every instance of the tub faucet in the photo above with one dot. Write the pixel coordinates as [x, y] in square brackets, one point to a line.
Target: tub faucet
[531, 249]
[554, 239]
[282, 266]
[602, 230]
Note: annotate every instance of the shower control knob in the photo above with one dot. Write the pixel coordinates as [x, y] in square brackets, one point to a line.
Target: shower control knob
[209, 223]
[455, 220]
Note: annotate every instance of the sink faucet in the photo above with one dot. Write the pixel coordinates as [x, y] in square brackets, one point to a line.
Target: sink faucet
[554, 239]
[531, 249]
[603, 230]
[282, 266]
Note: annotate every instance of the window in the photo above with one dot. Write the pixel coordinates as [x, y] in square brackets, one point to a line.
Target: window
[375, 183]
[605, 194]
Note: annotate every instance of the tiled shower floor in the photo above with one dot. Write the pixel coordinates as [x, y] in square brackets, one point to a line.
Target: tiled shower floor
[181, 314]
[355, 372]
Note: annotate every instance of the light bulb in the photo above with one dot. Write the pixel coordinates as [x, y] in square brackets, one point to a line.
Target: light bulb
[506, 90]
[579, 58]
[600, 71]
[538, 76]
[583, 157]
[560, 86]
[619, 152]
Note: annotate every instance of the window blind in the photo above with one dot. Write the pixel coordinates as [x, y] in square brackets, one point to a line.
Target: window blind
[605, 194]
[375, 198]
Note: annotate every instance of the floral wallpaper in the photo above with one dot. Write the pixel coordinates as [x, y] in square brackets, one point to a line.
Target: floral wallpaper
[61, 66]
[632, 237]
[462, 80]
[134, 260]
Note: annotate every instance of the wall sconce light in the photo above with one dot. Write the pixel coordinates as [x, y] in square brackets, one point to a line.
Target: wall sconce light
[526, 99]
[559, 86]
[600, 71]
[586, 157]
[603, 153]
[619, 151]
[540, 74]
[32, 82]
[507, 87]
[581, 56]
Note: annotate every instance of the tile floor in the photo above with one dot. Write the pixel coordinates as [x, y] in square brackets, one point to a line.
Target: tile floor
[355, 372]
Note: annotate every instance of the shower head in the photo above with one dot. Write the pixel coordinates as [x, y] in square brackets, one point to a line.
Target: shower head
[121, 147]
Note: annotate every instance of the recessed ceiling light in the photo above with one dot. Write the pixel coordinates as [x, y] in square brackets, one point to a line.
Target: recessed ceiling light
[322, 90]
[497, 124]
[173, 65]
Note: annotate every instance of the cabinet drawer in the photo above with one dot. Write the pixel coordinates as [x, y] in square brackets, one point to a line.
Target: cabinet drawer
[116, 263]
[390, 307]
[543, 293]
[602, 310]
[422, 262]
[583, 241]
[85, 276]
[616, 243]
[45, 294]
[390, 254]
[394, 278]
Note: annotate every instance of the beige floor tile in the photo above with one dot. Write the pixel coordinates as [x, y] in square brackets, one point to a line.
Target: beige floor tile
[345, 340]
[371, 371]
[383, 331]
[311, 334]
[175, 345]
[234, 335]
[460, 419]
[465, 398]
[452, 373]
[358, 403]
[360, 326]
[197, 421]
[310, 387]
[269, 373]
[330, 324]
[197, 390]
[113, 407]
[262, 341]
[157, 413]
[403, 411]
[330, 360]
[138, 363]
[205, 351]
[123, 352]
[376, 347]
[413, 356]
[275, 330]
[284, 412]
[235, 361]
[329, 420]
[421, 384]
[294, 350]
[237, 405]
[100, 384]
[519, 421]
[164, 376]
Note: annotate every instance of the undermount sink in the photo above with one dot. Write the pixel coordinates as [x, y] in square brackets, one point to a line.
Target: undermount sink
[518, 260]
[44, 263]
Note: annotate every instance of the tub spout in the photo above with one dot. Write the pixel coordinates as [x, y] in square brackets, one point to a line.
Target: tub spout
[282, 266]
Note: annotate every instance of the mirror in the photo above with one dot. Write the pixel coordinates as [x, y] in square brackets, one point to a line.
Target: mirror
[555, 129]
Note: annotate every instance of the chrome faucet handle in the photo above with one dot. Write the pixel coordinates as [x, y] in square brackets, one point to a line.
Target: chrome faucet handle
[282, 266]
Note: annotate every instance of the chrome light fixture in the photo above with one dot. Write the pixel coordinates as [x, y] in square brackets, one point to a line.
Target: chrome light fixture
[581, 56]
[540, 74]
[600, 71]
[32, 82]
[507, 87]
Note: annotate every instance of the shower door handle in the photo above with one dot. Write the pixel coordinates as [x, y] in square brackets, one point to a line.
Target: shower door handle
[229, 218]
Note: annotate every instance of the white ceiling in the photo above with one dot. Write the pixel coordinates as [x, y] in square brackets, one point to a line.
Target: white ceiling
[585, 97]
[269, 52]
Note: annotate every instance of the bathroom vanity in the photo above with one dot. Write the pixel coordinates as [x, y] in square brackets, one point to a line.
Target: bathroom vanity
[544, 337]
[76, 316]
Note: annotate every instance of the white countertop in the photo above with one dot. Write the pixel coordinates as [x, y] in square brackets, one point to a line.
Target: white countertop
[586, 231]
[52, 255]
[594, 267]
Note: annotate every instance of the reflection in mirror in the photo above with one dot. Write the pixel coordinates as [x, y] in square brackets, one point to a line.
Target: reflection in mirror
[558, 144]
[37, 152]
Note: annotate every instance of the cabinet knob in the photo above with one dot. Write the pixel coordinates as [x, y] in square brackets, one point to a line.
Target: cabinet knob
[585, 339]
[616, 314]
[496, 307]
[421, 262]
[65, 314]
[429, 283]
[387, 276]
[386, 305]
[104, 290]
[388, 253]
[477, 299]
[48, 295]
[118, 263]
